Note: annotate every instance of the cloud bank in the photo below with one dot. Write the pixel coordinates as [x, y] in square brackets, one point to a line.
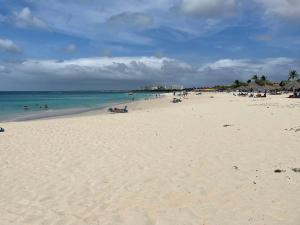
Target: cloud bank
[95, 73]
[133, 72]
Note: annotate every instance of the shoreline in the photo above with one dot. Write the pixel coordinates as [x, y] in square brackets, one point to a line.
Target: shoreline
[73, 112]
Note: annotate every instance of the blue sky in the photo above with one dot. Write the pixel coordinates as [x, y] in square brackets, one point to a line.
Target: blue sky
[89, 44]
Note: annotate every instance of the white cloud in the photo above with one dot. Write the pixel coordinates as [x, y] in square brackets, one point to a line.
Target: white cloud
[248, 64]
[102, 67]
[9, 46]
[71, 48]
[227, 63]
[25, 19]
[287, 9]
[208, 8]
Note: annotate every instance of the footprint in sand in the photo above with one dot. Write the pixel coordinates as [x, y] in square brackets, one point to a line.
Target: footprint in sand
[296, 170]
[279, 171]
[134, 216]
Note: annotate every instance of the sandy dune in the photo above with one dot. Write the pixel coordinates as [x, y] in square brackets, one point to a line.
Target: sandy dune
[161, 164]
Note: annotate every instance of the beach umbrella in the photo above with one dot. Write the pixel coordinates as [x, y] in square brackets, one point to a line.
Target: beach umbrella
[277, 86]
[273, 87]
[254, 87]
[292, 85]
[269, 87]
[240, 88]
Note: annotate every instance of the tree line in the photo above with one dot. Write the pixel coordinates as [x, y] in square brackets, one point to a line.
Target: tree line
[262, 80]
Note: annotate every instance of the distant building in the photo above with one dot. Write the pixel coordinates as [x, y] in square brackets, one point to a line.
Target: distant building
[175, 87]
[150, 88]
[163, 87]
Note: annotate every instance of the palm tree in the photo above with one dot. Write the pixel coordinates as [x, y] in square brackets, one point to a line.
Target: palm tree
[248, 81]
[293, 75]
[254, 77]
[282, 83]
[237, 83]
[263, 78]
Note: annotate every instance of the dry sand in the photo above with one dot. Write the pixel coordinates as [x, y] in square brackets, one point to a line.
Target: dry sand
[160, 164]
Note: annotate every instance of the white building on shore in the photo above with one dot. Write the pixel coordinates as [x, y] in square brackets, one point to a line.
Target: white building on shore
[163, 87]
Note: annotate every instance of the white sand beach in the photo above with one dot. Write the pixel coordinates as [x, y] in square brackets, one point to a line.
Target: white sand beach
[205, 161]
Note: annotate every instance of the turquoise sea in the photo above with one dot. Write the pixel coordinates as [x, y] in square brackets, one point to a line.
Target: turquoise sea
[33, 105]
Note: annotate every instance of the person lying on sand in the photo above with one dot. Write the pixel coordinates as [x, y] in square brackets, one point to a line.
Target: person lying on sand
[294, 96]
[259, 95]
[118, 110]
[176, 100]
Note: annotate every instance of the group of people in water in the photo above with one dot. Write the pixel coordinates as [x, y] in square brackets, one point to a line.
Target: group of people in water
[26, 107]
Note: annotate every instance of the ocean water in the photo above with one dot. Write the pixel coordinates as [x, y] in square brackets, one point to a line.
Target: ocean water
[31, 105]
